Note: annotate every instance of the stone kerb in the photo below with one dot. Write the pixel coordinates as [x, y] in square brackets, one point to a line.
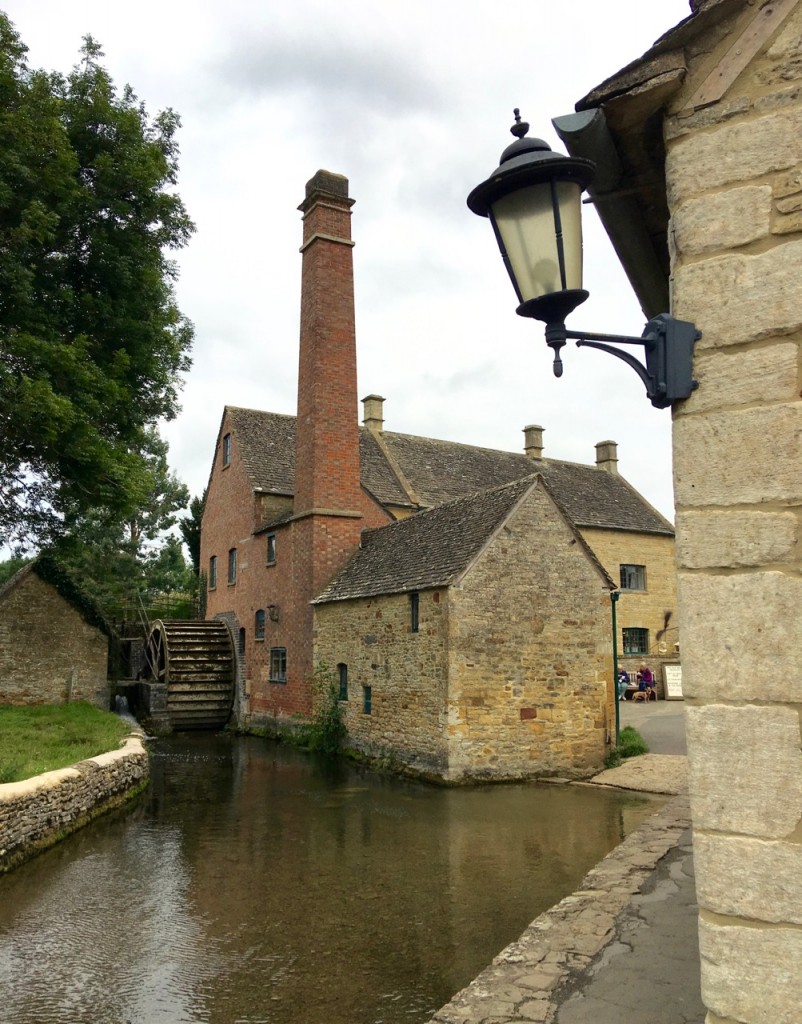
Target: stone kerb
[38, 812]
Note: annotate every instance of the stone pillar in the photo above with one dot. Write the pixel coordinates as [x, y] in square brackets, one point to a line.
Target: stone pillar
[734, 177]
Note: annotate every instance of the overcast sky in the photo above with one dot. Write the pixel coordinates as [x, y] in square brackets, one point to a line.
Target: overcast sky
[412, 102]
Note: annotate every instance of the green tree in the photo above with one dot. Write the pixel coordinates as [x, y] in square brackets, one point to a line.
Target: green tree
[190, 528]
[119, 561]
[92, 343]
[11, 566]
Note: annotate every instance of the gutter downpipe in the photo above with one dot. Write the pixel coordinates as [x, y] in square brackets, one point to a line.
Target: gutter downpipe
[614, 595]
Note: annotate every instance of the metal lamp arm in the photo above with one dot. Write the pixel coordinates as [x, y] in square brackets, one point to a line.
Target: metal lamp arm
[668, 347]
[628, 358]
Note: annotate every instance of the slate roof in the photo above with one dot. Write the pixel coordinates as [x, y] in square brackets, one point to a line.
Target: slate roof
[441, 471]
[431, 549]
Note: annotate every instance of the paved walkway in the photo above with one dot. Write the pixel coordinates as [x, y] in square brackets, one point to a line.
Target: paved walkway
[623, 948]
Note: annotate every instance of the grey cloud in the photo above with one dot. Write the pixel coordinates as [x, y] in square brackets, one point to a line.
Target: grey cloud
[343, 69]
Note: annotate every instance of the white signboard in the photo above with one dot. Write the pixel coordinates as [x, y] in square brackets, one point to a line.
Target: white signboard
[672, 677]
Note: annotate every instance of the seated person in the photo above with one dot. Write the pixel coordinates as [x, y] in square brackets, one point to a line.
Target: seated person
[623, 683]
[646, 684]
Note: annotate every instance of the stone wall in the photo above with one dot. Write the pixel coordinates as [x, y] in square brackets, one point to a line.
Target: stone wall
[406, 671]
[49, 653]
[507, 675]
[643, 609]
[530, 654]
[734, 173]
[38, 812]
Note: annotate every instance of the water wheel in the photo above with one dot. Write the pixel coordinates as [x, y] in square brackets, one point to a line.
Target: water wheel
[196, 662]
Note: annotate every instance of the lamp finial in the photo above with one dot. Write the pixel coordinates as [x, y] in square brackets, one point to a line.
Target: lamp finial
[520, 128]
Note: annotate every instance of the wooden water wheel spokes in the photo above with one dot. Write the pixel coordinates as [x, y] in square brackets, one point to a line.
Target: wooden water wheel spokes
[196, 662]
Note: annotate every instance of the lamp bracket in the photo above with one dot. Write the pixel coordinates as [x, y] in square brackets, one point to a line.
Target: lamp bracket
[668, 348]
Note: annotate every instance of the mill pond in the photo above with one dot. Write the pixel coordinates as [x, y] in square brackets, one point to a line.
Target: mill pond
[254, 885]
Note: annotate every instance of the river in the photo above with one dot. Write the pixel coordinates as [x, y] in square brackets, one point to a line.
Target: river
[254, 885]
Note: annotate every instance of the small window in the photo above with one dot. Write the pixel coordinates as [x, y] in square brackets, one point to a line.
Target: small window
[636, 641]
[342, 672]
[212, 572]
[271, 549]
[227, 450]
[259, 625]
[367, 700]
[414, 609]
[278, 664]
[232, 566]
[633, 577]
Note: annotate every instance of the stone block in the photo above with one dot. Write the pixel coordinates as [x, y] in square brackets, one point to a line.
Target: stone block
[741, 636]
[686, 122]
[728, 220]
[737, 151]
[750, 878]
[765, 374]
[786, 223]
[744, 769]
[735, 539]
[738, 457]
[739, 298]
[751, 974]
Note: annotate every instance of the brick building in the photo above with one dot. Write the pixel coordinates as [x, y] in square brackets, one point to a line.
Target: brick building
[290, 567]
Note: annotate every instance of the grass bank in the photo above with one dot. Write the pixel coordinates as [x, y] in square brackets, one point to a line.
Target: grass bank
[40, 739]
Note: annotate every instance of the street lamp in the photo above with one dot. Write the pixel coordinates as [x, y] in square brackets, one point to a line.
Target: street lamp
[533, 201]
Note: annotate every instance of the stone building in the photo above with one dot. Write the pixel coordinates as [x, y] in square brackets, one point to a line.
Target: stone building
[699, 145]
[288, 503]
[54, 644]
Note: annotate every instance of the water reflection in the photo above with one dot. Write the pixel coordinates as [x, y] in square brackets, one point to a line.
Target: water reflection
[251, 885]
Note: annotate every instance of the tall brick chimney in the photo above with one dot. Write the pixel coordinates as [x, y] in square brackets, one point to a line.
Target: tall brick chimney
[327, 506]
[327, 445]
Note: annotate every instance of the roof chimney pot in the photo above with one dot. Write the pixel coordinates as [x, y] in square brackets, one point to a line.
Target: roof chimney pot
[607, 456]
[373, 416]
[533, 441]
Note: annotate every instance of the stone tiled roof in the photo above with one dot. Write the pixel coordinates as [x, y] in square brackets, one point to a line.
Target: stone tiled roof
[441, 471]
[431, 549]
[267, 443]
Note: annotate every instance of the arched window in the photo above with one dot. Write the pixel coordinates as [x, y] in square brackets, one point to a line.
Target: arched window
[259, 625]
[342, 673]
[232, 565]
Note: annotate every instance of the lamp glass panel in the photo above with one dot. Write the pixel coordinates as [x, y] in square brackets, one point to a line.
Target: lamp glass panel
[526, 225]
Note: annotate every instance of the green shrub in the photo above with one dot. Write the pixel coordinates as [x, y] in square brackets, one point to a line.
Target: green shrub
[630, 744]
[326, 730]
